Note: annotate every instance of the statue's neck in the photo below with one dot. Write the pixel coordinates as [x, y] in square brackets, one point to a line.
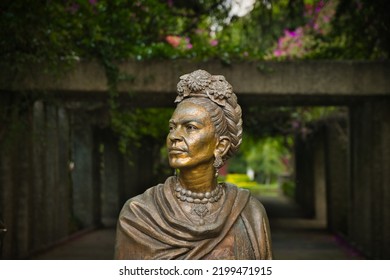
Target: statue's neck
[200, 179]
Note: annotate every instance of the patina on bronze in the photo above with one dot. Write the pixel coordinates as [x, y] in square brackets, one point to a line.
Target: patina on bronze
[191, 216]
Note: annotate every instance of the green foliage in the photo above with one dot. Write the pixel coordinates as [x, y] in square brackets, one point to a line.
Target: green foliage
[62, 32]
[260, 29]
[337, 29]
[361, 30]
[132, 126]
[237, 164]
[268, 157]
[58, 34]
[305, 39]
[288, 188]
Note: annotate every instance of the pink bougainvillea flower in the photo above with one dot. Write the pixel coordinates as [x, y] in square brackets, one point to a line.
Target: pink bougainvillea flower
[319, 6]
[214, 42]
[290, 33]
[278, 53]
[300, 41]
[93, 2]
[173, 40]
[326, 19]
[188, 43]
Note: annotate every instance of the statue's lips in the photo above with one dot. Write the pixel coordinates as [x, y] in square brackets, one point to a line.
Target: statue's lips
[174, 151]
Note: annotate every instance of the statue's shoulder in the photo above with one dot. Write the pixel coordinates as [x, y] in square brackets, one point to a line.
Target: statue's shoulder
[149, 195]
[257, 205]
[230, 186]
[253, 203]
[144, 198]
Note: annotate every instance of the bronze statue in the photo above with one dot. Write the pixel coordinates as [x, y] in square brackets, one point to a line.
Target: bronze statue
[191, 215]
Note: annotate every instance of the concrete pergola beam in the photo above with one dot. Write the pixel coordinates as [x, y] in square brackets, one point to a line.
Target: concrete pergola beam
[154, 82]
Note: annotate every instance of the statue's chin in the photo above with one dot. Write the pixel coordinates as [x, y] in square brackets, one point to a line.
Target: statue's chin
[188, 163]
[178, 163]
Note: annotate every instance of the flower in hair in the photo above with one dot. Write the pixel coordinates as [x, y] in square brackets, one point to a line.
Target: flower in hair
[198, 80]
[182, 88]
[219, 90]
[201, 83]
[190, 84]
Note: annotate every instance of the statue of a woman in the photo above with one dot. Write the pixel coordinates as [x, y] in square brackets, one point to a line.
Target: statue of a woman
[191, 215]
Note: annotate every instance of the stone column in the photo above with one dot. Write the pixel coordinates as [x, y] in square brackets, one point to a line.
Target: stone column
[82, 174]
[320, 197]
[336, 158]
[111, 178]
[369, 212]
[304, 174]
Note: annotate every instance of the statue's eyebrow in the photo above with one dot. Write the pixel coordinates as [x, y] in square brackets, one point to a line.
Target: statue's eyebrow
[186, 121]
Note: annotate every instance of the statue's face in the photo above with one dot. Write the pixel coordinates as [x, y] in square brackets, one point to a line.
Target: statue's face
[191, 140]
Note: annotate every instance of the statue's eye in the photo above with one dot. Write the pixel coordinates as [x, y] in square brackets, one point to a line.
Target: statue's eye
[171, 127]
[191, 127]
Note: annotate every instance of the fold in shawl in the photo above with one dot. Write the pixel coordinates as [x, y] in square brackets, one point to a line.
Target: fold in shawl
[153, 226]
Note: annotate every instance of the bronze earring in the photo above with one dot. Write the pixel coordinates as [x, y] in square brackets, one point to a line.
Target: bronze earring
[218, 161]
[217, 164]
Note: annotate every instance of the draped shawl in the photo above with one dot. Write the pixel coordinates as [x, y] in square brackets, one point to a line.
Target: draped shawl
[154, 226]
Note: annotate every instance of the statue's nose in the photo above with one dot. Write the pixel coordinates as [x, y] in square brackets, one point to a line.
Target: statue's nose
[174, 135]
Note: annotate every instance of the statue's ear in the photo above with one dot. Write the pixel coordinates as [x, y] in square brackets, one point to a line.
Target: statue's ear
[223, 146]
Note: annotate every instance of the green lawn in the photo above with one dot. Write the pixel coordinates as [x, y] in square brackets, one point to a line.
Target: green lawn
[242, 181]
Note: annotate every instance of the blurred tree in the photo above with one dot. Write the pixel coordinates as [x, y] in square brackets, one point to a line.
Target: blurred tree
[269, 157]
[64, 31]
[363, 27]
[60, 33]
[336, 29]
